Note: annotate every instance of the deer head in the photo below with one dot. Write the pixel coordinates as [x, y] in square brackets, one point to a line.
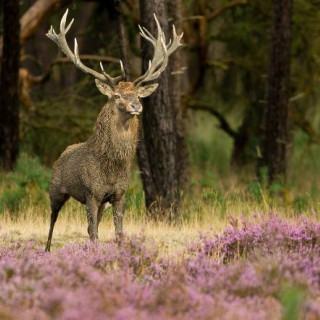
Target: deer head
[124, 95]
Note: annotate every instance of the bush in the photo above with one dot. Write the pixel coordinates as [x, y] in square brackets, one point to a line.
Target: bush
[29, 183]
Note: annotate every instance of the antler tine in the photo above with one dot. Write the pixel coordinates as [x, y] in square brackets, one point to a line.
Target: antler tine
[122, 70]
[60, 40]
[69, 26]
[111, 80]
[162, 51]
[76, 52]
[175, 42]
[154, 75]
[156, 66]
[63, 22]
[146, 34]
[169, 43]
[159, 52]
[160, 31]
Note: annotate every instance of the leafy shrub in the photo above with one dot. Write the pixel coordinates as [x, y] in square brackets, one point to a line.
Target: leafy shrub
[29, 183]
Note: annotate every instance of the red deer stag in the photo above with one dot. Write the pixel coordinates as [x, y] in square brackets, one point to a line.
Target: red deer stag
[97, 171]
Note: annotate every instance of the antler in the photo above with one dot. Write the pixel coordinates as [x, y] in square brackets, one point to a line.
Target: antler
[162, 51]
[60, 40]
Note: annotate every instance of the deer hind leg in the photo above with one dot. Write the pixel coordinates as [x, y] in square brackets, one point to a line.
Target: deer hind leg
[118, 213]
[56, 205]
[101, 211]
[92, 217]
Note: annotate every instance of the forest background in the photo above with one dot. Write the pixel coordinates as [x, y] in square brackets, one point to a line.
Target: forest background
[222, 212]
[243, 95]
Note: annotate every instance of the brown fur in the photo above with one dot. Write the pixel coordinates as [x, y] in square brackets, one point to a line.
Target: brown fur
[98, 170]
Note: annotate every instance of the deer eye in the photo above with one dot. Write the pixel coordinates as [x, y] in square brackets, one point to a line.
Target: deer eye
[116, 96]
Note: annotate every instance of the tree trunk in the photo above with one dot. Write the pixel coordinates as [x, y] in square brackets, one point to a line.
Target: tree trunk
[275, 126]
[177, 61]
[124, 45]
[158, 146]
[247, 138]
[9, 103]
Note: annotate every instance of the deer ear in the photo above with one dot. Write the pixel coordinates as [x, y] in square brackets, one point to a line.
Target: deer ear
[145, 91]
[104, 88]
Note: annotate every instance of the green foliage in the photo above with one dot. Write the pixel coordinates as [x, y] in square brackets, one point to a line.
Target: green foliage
[60, 121]
[28, 184]
[135, 196]
[256, 191]
[209, 148]
[292, 299]
[301, 204]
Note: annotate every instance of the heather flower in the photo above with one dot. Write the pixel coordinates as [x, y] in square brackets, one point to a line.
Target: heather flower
[239, 274]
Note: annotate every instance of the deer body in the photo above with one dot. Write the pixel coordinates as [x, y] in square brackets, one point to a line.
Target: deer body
[101, 165]
[97, 171]
[95, 167]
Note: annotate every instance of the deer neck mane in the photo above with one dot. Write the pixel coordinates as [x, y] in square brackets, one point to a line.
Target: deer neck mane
[115, 135]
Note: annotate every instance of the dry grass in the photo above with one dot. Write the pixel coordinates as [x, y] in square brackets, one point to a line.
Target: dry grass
[205, 215]
[32, 223]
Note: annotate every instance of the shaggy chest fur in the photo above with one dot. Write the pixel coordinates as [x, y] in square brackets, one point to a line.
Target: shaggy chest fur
[115, 136]
[101, 165]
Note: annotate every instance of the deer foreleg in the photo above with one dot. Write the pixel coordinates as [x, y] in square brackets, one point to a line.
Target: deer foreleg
[92, 217]
[56, 204]
[118, 213]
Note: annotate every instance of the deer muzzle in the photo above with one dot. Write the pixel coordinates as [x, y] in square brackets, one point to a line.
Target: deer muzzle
[136, 108]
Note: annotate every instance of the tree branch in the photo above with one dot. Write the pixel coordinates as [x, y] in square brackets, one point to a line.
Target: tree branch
[85, 57]
[220, 11]
[307, 128]
[46, 75]
[36, 14]
[224, 125]
[27, 80]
